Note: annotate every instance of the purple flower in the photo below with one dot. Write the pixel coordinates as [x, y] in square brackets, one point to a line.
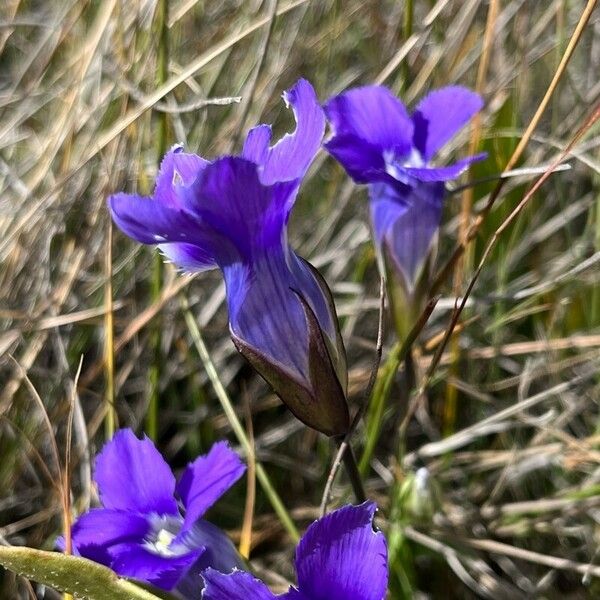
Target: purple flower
[380, 144]
[140, 531]
[232, 214]
[340, 557]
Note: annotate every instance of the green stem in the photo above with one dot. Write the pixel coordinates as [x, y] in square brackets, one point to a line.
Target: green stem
[385, 379]
[353, 473]
[408, 19]
[154, 375]
[236, 424]
[379, 397]
[162, 17]
[407, 29]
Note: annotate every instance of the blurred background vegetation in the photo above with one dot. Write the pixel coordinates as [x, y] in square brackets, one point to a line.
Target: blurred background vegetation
[505, 442]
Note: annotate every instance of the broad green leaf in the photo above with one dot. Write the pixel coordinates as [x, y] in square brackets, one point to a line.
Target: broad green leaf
[85, 579]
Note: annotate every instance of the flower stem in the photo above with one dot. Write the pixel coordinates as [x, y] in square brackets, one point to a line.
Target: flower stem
[353, 473]
[162, 17]
[344, 442]
[379, 398]
[408, 19]
[385, 379]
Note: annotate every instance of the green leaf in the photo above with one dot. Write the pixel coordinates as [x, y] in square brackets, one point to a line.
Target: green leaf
[85, 579]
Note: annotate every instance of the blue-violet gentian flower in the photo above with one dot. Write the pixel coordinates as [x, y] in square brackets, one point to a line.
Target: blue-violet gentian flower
[232, 214]
[141, 531]
[380, 144]
[340, 557]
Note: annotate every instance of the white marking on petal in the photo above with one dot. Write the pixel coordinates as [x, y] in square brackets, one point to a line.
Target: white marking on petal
[177, 178]
[163, 541]
[414, 159]
[164, 531]
[393, 162]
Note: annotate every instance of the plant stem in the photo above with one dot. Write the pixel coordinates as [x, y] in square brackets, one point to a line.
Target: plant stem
[162, 17]
[344, 442]
[379, 397]
[162, 70]
[385, 379]
[353, 473]
[407, 29]
[408, 18]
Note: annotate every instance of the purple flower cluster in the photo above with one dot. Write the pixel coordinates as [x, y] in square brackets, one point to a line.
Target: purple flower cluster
[232, 213]
[141, 532]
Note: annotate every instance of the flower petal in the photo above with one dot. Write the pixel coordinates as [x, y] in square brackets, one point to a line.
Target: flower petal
[240, 213]
[294, 594]
[405, 225]
[267, 320]
[374, 115]
[133, 476]
[206, 479]
[256, 146]
[98, 530]
[341, 557]
[150, 221]
[163, 217]
[236, 586]
[138, 562]
[387, 205]
[104, 527]
[364, 162]
[267, 314]
[219, 553]
[177, 168]
[440, 115]
[188, 257]
[291, 156]
[96, 552]
[428, 174]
